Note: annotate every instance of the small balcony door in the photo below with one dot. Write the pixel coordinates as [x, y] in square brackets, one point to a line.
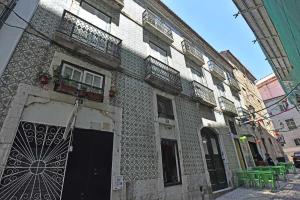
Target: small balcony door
[88, 173]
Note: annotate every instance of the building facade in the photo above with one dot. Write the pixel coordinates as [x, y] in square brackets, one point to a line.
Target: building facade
[120, 96]
[284, 115]
[260, 127]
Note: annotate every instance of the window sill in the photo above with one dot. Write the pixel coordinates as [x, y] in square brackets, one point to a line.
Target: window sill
[172, 184]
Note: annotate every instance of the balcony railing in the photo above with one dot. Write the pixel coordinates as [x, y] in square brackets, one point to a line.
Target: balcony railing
[227, 106]
[79, 89]
[117, 4]
[162, 76]
[203, 94]
[234, 84]
[192, 52]
[157, 26]
[216, 70]
[85, 38]
[243, 114]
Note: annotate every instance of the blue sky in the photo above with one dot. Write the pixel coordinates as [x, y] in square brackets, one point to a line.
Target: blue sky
[214, 21]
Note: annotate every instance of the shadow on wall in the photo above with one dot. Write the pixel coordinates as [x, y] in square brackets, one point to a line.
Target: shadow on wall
[134, 95]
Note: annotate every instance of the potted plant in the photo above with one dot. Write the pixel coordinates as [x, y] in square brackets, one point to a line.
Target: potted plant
[94, 96]
[44, 77]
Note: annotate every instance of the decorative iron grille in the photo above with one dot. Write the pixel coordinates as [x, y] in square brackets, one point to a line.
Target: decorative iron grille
[161, 72]
[89, 34]
[158, 23]
[227, 105]
[216, 70]
[35, 168]
[203, 93]
[190, 49]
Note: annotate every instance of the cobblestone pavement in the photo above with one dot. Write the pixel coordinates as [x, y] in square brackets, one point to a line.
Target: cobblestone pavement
[287, 190]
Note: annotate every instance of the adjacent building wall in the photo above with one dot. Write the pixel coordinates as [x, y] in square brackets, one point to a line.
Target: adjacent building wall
[272, 92]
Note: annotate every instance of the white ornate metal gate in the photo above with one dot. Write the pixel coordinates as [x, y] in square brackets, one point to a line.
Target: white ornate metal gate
[35, 167]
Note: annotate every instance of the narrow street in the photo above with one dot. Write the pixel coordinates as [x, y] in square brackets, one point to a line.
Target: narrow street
[287, 190]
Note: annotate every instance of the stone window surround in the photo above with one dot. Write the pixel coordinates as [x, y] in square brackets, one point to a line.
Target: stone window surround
[59, 57]
[173, 124]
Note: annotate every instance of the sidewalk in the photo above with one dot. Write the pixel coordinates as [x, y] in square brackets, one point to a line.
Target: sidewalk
[289, 190]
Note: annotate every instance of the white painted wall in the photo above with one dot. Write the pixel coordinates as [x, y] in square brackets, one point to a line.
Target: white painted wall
[290, 147]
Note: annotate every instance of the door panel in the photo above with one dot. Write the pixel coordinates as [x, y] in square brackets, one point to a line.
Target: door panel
[240, 153]
[88, 174]
[214, 160]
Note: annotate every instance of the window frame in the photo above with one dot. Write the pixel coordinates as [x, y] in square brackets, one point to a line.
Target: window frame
[108, 29]
[297, 141]
[288, 123]
[199, 73]
[160, 48]
[231, 122]
[164, 100]
[83, 70]
[177, 160]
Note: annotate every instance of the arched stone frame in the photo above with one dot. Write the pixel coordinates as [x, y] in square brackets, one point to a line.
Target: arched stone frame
[29, 95]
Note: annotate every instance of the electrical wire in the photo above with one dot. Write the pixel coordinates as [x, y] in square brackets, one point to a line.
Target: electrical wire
[285, 96]
[51, 40]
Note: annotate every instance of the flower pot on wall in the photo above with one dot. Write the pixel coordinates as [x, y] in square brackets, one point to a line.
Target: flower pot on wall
[94, 96]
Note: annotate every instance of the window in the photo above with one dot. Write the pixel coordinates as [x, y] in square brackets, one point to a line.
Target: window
[291, 124]
[170, 162]
[230, 75]
[158, 53]
[165, 107]
[221, 89]
[281, 108]
[82, 79]
[232, 127]
[71, 73]
[258, 101]
[198, 76]
[297, 141]
[94, 16]
[6, 10]
[270, 141]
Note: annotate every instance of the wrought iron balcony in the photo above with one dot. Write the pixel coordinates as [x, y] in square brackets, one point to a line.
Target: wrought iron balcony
[227, 106]
[192, 52]
[234, 84]
[157, 26]
[216, 70]
[162, 76]
[203, 94]
[88, 40]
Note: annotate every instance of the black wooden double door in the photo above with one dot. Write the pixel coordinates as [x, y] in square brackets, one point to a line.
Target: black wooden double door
[214, 160]
[88, 173]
